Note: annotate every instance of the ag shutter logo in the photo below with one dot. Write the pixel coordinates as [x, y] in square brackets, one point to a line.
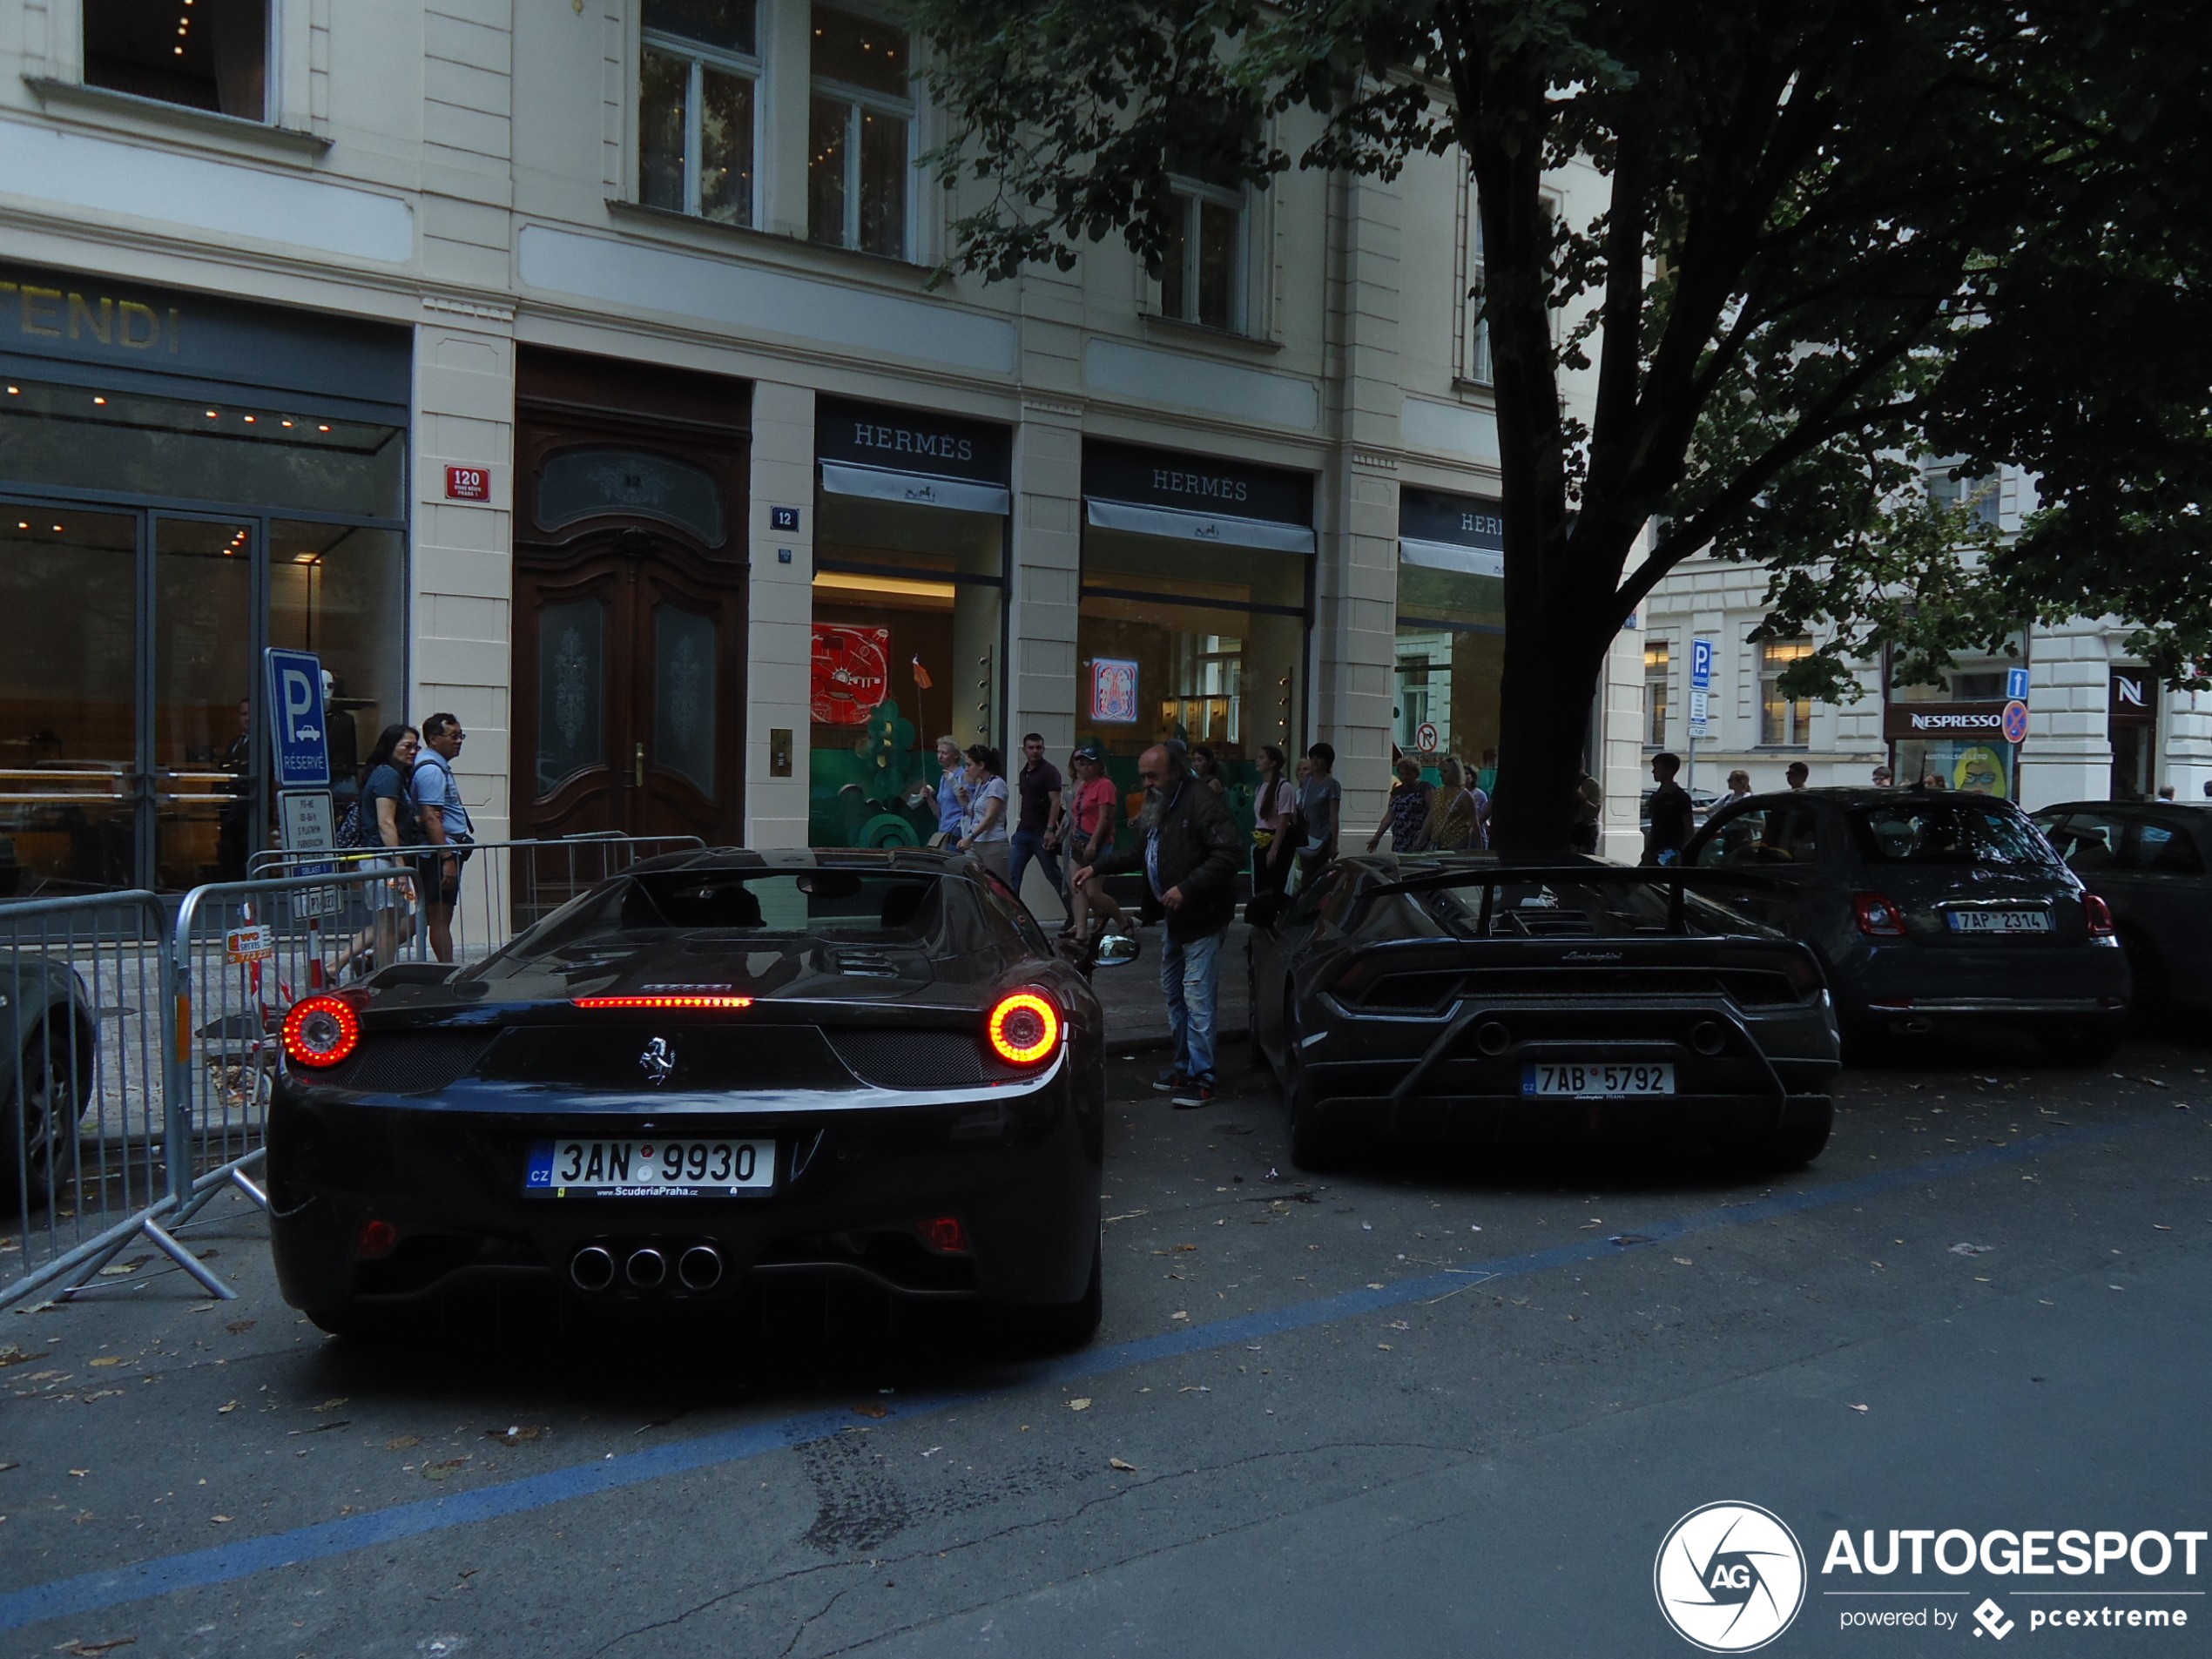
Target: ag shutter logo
[1730, 1577]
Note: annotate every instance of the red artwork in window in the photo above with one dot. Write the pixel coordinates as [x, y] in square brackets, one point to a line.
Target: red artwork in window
[852, 673]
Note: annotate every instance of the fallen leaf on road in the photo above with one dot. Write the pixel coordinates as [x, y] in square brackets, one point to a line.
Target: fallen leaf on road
[516, 1433]
[220, 1520]
[1375, 1287]
[331, 1404]
[11, 1355]
[104, 1393]
[80, 1474]
[1117, 1463]
[1385, 1347]
[1187, 1388]
[1186, 1247]
[227, 1406]
[402, 1442]
[871, 1411]
[1972, 1250]
[441, 1471]
[239, 1327]
[77, 1646]
[117, 1270]
[2158, 1226]
[1179, 1314]
[107, 1360]
[1081, 1403]
[1685, 1261]
[1858, 1408]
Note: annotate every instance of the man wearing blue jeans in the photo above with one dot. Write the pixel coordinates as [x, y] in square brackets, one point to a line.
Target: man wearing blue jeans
[1189, 850]
[1036, 832]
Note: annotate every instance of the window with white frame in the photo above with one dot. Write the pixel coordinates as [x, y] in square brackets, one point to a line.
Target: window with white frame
[204, 54]
[1202, 270]
[1658, 655]
[1784, 722]
[860, 137]
[698, 86]
[1475, 329]
[1947, 489]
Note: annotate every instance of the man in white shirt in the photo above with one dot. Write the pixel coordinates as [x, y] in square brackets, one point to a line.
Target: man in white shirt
[445, 821]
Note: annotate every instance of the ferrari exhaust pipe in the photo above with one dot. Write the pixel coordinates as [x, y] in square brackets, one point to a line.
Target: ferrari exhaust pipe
[700, 1267]
[592, 1269]
[645, 1268]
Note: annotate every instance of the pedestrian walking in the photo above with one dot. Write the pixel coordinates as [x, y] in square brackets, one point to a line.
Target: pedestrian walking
[389, 820]
[1884, 778]
[1093, 809]
[1672, 818]
[1485, 775]
[982, 830]
[1037, 830]
[1589, 813]
[1452, 824]
[437, 799]
[1739, 785]
[1320, 803]
[1274, 837]
[951, 791]
[1188, 849]
[1798, 775]
[1404, 818]
[1207, 770]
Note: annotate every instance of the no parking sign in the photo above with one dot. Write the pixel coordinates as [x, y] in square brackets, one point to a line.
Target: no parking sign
[2015, 722]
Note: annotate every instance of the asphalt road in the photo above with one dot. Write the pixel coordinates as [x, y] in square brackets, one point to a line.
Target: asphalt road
[1433, 1405]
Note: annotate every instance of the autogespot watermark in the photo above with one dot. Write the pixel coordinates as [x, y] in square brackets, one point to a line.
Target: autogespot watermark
[1730, 1578]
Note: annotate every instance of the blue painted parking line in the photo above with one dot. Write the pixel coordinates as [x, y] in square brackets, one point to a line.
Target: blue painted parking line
[226, 1563]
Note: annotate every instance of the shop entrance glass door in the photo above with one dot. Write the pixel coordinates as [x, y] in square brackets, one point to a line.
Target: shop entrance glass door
[204, 786]
[69, 623]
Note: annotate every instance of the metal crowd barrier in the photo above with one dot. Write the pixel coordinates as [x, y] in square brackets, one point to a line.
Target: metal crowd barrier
[161, 1033]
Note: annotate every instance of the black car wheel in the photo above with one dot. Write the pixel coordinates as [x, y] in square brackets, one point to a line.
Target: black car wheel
[47, 1093]
[1316, 1147]
[2077, 1045]
[1056, 1328]
[1799, 1143]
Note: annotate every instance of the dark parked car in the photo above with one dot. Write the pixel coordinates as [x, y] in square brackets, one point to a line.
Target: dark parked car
[2148, 860]
[48, 1052]
[1501, 1000]
[720, 1067]
[1927, 908]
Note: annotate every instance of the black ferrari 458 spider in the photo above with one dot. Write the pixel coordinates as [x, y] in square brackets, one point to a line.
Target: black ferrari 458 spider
[1471, 996]
[721, 1067]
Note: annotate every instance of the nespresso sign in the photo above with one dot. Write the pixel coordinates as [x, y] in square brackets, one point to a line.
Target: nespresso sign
[876, 435]
[1124, 472]
[1943, 720]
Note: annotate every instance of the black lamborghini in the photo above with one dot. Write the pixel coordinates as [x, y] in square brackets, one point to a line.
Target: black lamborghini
[719, 1067]
[1472, 996]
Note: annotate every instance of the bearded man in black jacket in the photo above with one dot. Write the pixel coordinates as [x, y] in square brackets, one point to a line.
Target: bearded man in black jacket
[1188, 847]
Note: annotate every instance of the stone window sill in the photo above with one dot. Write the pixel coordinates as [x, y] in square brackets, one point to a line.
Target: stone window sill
[128, 114]
[669, 225]
[1206, 334]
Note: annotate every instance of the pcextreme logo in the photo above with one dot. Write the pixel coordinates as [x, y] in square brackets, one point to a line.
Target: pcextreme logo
[1730, 1577]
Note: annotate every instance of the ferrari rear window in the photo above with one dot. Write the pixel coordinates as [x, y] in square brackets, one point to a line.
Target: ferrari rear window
[848, 906]
[1949, 832]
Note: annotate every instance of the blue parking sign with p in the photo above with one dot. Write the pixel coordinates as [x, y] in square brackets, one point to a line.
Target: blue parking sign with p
[1701, 664]
[300, 740]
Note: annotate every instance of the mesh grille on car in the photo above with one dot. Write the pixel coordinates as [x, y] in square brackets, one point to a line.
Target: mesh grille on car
[408, 1062]
[920, 1059]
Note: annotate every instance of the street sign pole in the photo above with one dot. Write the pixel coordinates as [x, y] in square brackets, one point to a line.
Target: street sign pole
[1701, 686]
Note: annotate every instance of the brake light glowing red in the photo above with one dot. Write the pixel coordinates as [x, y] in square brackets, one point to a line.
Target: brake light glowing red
[376, 1238]
[320, 1031]
[1024, 1028]
[661, 1001]
[1878, 915]
[2099, 915]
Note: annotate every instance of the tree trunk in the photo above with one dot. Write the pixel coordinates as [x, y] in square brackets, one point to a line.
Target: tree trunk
[1553, 671]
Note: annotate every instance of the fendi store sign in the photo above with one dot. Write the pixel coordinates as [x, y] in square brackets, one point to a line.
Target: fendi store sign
[34, 311]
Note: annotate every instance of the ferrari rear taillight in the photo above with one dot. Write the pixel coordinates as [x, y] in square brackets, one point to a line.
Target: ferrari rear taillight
[2099, 915]
[1878, 915]
[944, 1235]
[320, 1031]
[1024, 1028]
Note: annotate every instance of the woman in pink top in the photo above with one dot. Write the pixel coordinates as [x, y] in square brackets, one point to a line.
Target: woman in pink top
[1091, 812]
[1274, 830]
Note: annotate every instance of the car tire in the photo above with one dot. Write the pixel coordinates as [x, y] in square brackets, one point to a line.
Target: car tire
[48, 1088]
[1798, 1144]
[1058, 1327]
[1316, 1147]
[2077, 1046]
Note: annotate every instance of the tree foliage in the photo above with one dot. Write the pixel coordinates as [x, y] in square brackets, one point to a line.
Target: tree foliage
[1835, 235]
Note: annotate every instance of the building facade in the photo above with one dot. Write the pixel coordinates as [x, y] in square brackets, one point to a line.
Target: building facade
[578, 370]
[2098, 726]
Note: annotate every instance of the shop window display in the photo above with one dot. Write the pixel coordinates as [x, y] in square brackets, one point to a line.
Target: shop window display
[1450, 653]
[1203, 643]
[907, 641]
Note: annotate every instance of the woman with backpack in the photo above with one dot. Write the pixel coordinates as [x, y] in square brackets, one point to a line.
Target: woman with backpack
[388, 819]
